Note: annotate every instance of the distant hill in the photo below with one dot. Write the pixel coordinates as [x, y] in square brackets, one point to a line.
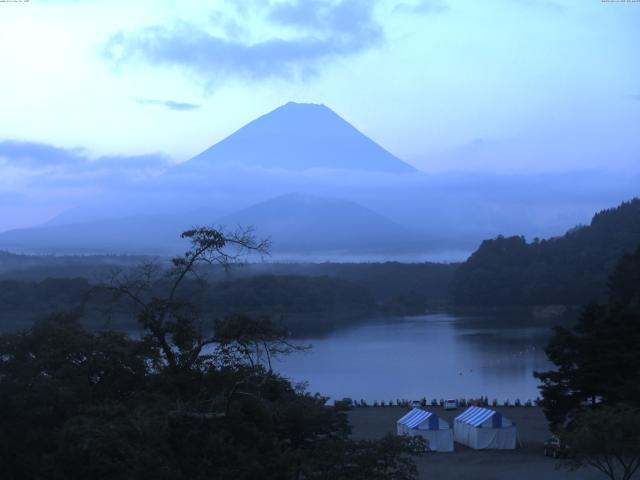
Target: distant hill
[572, 269]
[306, 224]
[137, 234]
[299, 136]
[296, 223]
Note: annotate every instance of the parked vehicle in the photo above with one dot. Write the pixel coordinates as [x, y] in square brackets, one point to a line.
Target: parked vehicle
[555, 448]
[450, 404]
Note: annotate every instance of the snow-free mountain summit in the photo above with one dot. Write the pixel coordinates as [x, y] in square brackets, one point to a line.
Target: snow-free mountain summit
[298, 223]
[300, 136]
[246, 179]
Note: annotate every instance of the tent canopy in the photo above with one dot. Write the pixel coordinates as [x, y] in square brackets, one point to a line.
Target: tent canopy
[420, 423]
[483, 428]
[423, 420]
[479, 417]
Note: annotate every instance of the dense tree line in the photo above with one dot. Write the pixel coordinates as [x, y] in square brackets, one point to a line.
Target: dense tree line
[384, 280]
[569, 270]
[290, 294]
[51, 294]
[306, 303]
[39, 267]
[592, 397]
[598, 359]
[180, 402]
[387, 281]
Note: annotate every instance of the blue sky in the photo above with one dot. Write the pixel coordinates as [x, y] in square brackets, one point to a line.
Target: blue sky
[498, 86]
[420, 77]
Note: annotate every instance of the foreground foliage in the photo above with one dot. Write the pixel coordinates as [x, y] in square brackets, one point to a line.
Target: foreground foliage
[598, 360]
[181, 402]
[592, 398]
[607, 439]
[308, 298]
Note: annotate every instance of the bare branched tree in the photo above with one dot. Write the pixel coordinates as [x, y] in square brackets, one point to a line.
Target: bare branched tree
[255, 342]
[172, 323]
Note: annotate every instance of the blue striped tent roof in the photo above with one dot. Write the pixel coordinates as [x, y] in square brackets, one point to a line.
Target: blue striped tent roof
[415, 417]
[475, 416]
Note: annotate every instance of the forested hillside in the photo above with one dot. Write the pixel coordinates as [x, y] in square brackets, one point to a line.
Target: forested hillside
[304, 297]
[571, 269]
[178, 401]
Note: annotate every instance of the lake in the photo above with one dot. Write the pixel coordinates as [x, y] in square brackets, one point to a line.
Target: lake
[436, 355]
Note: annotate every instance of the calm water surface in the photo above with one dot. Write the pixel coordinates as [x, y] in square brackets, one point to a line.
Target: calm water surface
[438, 355]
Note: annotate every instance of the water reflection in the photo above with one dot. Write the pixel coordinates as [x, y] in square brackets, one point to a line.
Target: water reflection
[438, 355]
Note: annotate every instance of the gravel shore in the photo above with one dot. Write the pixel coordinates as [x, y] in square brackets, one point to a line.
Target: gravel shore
[524, 463]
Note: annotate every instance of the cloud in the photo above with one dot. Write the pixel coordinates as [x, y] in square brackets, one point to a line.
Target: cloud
[38, 181]
[31, 155]
[424, 7]
[352, 18]
[43, 164]
[544, 4]
[294, 39]
[170, 104]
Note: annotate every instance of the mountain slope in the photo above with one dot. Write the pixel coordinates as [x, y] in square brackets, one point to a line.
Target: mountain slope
[572, 269]
[299, 136]
[296, 223]
[139, 234]
[303, 223]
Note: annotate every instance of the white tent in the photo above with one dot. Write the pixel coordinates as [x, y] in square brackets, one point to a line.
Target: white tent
[436, 431]
[483, 428]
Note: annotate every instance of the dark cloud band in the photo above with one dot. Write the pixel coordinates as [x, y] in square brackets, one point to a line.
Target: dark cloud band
[170, 104]
[34, 158]
[318, 31]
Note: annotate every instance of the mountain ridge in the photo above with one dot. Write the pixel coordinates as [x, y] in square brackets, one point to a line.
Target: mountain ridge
[299, 136]
[296, 222]
[571, 269]
[301, 222]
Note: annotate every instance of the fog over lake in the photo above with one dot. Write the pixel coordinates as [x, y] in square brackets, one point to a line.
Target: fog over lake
[436, 355]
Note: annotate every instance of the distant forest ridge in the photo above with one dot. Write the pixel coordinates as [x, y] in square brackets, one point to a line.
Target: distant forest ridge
[306, 298]
[567, 270]
[506, 271]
